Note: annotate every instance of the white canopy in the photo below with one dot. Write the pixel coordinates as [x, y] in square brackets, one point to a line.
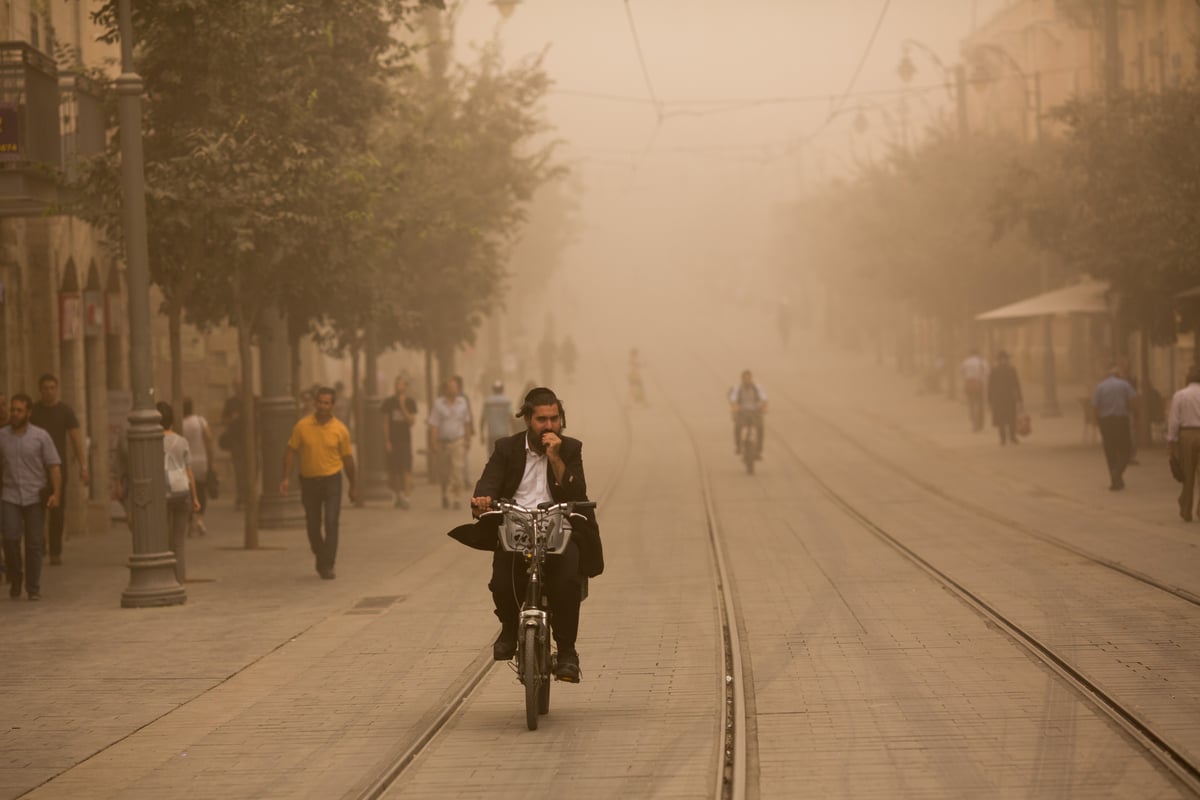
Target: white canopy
[1087, 297]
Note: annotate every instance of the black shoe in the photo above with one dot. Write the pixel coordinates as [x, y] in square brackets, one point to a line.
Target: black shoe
[566, 668]
[504, 648]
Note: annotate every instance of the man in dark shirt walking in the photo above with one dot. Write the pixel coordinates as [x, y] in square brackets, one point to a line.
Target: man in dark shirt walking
[59, 420]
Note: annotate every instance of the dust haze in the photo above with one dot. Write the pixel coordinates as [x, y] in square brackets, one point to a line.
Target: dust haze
[679, 205]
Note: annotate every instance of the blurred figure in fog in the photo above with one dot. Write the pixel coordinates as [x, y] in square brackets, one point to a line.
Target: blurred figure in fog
[974, 369]
[342, 407]
[202, 454]
[748, 404]
[399, 413]
[547, 355]
[3, 409]
[496, 419]
[466, 470]
[1004, 396]
[308, 403]
[1113, 401]
[1183, 438]
[233, 439]
[567, 354]
[450, 430]
[637, 391]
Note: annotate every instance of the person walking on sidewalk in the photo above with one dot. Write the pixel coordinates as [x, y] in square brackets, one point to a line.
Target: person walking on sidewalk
[1113, 401]
[1183, 437]
[1004, 396]
[323, 444]
[399, 413]
[974, 369]
[31, 473]
[57, 419]
[202, 453]
[495, 420]
[182, 499]
[450, 430]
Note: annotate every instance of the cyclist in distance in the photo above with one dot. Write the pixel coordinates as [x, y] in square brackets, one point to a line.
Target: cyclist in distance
[747, 404]
[535, 466]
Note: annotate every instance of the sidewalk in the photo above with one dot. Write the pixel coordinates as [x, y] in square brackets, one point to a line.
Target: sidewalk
[1061, 459]
[83, 673]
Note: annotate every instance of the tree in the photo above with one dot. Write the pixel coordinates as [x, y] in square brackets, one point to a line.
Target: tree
[256, 127]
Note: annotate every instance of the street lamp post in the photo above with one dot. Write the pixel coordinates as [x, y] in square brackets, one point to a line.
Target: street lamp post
[151, 564]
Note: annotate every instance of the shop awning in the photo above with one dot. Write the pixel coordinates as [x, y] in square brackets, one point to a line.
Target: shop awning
[1087, 297]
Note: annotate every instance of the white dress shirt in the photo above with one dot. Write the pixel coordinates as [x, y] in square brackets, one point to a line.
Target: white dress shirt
[535, 487]
[1185, 411]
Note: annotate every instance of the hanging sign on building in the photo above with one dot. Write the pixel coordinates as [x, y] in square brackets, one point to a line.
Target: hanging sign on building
[9, 131]
[93, 313]
[70, 316]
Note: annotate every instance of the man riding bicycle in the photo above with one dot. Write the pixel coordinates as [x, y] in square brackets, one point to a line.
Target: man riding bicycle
[747, 404]
[536, 466]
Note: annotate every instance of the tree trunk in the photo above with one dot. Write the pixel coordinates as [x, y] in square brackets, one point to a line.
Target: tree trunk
[175, 337]
[249, 452]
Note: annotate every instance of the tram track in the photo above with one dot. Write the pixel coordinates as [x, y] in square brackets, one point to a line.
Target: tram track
[729, 768]
[993, 516]
[1139, 730]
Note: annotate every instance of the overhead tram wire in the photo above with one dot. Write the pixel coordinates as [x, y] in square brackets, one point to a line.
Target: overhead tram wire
[862, 60]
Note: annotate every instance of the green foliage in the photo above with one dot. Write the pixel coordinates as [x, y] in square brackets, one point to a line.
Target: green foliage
[1135, 215]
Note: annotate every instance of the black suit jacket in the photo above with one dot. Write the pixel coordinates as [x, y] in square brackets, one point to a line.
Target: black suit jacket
[502, 477]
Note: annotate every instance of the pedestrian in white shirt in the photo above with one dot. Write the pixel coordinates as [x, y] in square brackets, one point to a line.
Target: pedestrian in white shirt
[1183, 437]
[450, 433]
[974, 369]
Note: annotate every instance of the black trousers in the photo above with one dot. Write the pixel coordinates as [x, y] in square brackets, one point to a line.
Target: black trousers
[509, 580]
[1118, 445]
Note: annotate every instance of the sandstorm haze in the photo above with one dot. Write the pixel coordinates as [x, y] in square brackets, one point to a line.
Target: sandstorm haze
[741, 86]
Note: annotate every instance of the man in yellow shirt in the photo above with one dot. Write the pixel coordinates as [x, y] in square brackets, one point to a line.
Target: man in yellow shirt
[323, 443]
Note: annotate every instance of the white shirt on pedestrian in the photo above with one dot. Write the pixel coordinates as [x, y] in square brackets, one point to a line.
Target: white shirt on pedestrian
[974, 368]
[452, 418]
[193, 430]
[1185, 411]
[535, 485]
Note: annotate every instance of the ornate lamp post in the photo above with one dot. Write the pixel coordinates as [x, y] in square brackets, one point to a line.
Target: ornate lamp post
[152, 564]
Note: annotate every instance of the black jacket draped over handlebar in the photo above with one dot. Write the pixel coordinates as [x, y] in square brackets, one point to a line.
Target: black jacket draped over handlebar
[502, 477]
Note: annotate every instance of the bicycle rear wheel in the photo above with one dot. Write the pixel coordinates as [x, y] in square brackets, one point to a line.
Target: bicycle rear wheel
[531, 675]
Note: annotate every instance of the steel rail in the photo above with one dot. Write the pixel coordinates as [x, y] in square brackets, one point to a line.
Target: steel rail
[1130, 722]
[468, 683]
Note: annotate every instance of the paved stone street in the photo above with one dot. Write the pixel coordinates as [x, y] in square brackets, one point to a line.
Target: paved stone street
[866, 676]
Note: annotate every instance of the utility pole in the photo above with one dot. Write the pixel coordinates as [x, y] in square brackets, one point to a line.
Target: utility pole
[1112, 50]
[152, 564]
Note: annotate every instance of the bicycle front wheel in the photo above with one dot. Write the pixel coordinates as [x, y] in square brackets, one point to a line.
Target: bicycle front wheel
[531, 675]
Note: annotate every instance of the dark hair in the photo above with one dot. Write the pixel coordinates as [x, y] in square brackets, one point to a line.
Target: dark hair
[326, 390]
[24, 398]
[167, 413]
[541, 396]
[187, 406]
[46, 376]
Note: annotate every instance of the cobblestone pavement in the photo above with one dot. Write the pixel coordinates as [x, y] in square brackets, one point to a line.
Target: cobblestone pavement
[868, 677]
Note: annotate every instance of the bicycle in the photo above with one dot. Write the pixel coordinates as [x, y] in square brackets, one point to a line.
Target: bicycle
[750, 444]
[535, 533]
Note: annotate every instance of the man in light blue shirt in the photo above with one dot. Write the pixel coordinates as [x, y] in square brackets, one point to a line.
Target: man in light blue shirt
[31, 472]
[1113, 401]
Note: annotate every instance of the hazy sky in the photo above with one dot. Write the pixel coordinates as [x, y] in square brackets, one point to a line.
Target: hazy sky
[652, 182]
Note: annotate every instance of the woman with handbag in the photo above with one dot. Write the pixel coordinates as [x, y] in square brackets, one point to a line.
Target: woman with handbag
[200, 446]
[182, 498]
